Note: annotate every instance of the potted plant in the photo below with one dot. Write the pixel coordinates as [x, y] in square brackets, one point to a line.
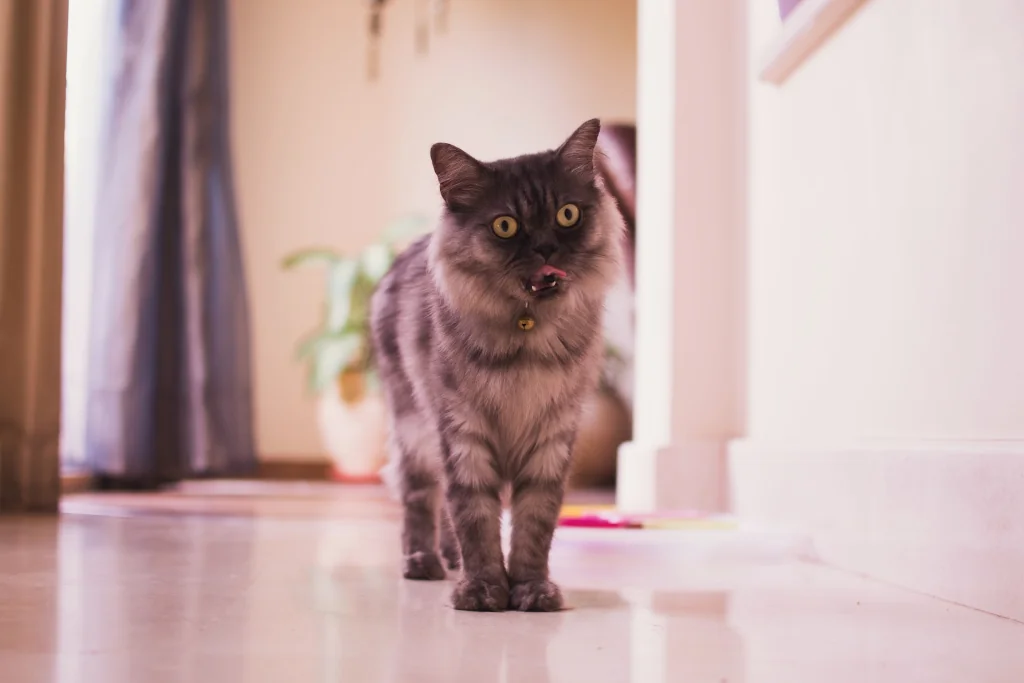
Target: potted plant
[350, 412]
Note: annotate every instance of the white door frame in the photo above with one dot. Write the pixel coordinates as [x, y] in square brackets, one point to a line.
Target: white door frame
[690, 353]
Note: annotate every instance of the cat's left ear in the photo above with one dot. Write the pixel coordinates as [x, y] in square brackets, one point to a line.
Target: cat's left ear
[578, 151]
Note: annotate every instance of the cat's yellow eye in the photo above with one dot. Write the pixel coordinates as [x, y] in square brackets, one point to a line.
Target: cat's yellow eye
[568, 215]
[505, 227]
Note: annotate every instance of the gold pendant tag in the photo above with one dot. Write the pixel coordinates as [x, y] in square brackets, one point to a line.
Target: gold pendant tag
[525, 322]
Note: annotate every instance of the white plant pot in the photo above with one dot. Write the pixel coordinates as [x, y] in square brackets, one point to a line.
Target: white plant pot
[354, 435]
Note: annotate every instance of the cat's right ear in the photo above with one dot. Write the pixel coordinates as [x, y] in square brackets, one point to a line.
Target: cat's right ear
[578, 151]
[460, 176]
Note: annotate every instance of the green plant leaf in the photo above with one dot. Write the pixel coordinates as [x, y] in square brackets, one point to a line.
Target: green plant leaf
[612, 351]
[343, 340]
[359, 311]
[614, 365]
[341, 281]
[334, 354]
[305, 257]
[376, 260]
[310, 343]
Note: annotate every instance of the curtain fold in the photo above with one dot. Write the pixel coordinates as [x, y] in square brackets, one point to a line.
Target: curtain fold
[33, 45]
[169, 392]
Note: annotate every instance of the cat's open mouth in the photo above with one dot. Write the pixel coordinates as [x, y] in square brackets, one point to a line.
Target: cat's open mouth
[545, 281]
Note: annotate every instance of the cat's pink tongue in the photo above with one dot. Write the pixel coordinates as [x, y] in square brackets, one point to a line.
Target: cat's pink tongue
[546, 271]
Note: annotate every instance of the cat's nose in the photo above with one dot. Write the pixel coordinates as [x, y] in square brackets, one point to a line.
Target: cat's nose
[545, 249]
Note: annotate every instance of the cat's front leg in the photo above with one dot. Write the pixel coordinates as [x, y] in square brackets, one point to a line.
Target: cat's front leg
[536, 503]
[474, 504]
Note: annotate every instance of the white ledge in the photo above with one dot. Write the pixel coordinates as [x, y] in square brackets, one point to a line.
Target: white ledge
[808, 26]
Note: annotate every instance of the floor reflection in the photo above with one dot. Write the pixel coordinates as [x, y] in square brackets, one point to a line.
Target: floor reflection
[260, 598]
[630, 635]
[137, 599]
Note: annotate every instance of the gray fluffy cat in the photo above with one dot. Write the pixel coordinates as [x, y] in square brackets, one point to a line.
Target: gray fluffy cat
[488, 338]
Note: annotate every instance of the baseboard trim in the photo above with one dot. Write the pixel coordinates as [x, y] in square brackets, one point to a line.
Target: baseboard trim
[944, 518]
[689, 475]
[76, 482]
[284, 469]
[312, 469]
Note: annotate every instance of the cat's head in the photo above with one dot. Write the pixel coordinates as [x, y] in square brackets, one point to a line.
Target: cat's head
[534, 228]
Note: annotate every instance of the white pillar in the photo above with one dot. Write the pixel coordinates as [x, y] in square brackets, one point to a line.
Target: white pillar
[690, 272]
[656, 102]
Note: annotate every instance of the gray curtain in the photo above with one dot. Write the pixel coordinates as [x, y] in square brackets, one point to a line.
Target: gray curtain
[169, 385]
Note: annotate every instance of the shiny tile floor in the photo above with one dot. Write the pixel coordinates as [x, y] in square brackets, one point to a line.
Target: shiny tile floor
[301, 584]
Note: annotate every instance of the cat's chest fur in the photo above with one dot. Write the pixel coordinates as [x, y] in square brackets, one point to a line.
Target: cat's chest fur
[536, 391]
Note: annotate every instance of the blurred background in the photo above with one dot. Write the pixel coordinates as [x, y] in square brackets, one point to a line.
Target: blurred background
[820, 329]
[334, 106]
[327, 154]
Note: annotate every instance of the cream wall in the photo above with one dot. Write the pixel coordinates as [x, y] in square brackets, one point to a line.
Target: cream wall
[325, 157]
[887, 228]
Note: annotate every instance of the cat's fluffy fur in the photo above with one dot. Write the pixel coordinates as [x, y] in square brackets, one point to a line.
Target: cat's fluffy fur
[476, 404]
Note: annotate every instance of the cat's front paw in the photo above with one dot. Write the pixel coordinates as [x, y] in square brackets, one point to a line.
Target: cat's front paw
[536, 596]
[480, 595]
[423, 567]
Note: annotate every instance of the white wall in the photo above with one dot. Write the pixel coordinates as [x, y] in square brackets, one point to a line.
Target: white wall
[886, 395]
[887, 228]
[325, 157]
[710, 221]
